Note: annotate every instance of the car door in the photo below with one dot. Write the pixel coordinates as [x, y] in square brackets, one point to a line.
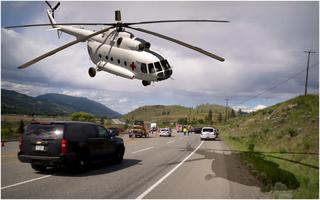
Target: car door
[107, 146]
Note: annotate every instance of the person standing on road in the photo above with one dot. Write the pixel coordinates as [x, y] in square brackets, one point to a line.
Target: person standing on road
[184, 130]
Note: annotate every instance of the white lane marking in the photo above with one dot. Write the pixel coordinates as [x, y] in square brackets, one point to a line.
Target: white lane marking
[170, 141]
[23, 182]
[168, 174]
[143, 150]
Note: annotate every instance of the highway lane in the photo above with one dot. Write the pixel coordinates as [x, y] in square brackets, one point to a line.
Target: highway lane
[205, 174]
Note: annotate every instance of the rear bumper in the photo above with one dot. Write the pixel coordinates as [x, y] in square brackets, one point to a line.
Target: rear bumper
[47, 160]
[208, 136]
[165, 134]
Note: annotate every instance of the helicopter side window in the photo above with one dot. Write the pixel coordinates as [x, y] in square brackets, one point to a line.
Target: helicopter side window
[143, 68]
[111, 59]
[125, 63]
[151, 68]
[158, 66]
[99, 55]
[118, 61]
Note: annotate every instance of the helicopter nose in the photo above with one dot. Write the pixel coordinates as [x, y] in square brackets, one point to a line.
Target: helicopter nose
[163, 75]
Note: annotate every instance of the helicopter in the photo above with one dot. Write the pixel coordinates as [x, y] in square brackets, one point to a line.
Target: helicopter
[115, 50]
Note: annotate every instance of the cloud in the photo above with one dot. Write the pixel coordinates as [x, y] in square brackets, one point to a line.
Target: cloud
[249, 109]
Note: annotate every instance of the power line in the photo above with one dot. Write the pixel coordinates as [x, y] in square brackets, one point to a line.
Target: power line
[275, 86]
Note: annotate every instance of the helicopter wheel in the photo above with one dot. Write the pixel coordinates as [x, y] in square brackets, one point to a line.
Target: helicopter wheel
[146, 83]
[92, 72]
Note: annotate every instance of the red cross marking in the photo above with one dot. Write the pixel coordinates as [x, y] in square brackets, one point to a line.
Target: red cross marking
[133, 66]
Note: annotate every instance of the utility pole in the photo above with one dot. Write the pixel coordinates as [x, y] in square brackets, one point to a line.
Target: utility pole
[306, 85]
[226, 116]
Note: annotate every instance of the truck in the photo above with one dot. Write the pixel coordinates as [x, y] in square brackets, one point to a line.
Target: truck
[153, 127]
[139, 129]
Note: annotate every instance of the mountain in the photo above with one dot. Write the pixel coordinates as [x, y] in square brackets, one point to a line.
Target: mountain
[172, 113]
[51, 104]
[75, 104]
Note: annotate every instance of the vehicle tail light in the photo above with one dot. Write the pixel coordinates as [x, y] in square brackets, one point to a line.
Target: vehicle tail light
[64, 146]
[20, 142]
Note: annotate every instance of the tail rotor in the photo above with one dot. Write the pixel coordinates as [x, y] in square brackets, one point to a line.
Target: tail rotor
[53, 8]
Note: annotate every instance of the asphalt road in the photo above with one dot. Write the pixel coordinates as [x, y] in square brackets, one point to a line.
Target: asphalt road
[155, 167]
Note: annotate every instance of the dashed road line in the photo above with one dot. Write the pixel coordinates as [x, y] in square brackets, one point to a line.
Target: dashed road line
[167, 175]
[170, 141]
[23, 182]
[142, 150]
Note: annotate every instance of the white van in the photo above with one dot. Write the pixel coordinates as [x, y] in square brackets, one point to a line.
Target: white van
[208, 133]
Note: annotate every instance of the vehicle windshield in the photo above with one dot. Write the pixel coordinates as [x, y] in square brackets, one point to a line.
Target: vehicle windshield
[163, 65]
[207, 130]
[164, 129]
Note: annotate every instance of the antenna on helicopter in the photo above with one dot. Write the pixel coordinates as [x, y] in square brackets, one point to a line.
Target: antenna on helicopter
[53, 8]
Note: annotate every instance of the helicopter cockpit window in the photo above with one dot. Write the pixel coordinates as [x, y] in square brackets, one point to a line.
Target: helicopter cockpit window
[165, 64]
[158, 66]
[151, 68]
[143, 68]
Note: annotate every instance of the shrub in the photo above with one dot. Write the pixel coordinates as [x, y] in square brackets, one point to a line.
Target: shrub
[251, 147]
[292, 132]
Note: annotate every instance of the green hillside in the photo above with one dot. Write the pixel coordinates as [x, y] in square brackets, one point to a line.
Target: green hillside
[172, 113]
[283, 145]
[16, 103]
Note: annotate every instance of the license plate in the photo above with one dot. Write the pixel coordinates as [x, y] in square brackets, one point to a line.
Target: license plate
[39, 148]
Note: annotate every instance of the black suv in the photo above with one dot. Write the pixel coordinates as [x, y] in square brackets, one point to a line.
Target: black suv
[69, 144]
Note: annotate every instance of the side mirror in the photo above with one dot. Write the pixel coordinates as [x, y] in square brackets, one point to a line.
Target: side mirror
[112, 134]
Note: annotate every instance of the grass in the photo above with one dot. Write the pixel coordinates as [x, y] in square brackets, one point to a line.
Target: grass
[290, 131]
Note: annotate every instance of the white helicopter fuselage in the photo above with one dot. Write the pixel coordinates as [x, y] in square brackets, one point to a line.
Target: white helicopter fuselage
[121, 54]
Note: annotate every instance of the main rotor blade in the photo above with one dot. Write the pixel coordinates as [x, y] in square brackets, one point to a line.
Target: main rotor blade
[170, 21]
[31, 62]
[70, 24]
[180, 42]
[58, 4]
[49, 4]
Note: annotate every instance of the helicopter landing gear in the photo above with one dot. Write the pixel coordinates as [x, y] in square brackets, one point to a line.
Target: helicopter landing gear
[146, 83]
[92, 72]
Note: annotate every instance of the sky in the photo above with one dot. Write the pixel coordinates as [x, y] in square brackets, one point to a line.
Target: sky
[263, 45]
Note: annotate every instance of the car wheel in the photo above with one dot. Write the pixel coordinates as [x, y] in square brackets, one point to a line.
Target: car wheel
[38, 167]
[118, 156]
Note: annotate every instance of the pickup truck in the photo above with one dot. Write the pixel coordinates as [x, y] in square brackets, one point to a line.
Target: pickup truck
[138, 131]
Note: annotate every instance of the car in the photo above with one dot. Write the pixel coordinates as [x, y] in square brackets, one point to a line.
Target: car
[69, 144]
[208, 133]
[197, 130]
[165, 132]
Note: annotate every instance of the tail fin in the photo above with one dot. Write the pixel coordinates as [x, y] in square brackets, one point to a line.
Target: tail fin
[51, 19]
[50, 13]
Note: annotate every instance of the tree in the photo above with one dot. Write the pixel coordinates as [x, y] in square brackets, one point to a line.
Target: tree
[239, 112]
[21, 127]
[233, 114]
[82, 116]
[219, 117]
[183, 121]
